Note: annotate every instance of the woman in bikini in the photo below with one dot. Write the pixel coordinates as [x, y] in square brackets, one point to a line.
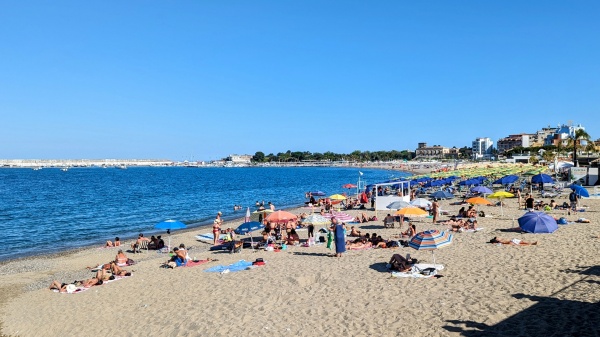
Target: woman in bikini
[121, 258]
[217, 228]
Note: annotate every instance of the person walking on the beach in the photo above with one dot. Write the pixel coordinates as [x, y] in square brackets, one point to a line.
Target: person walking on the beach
[217, 228]
[435, 208]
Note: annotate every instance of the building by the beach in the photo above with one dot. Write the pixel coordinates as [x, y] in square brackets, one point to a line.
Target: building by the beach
[482, 148]
[512, 141]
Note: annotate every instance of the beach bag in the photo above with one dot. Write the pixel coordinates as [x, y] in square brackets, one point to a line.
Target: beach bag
[130, 262]
[322, 239]
[562, 221]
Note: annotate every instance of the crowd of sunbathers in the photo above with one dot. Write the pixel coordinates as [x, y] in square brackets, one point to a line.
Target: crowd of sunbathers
[104, 272]
[457, 224]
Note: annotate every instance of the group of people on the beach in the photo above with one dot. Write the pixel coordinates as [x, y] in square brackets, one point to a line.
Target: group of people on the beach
[104, 272]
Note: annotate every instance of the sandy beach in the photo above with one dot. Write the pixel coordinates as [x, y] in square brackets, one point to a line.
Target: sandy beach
[486, 289]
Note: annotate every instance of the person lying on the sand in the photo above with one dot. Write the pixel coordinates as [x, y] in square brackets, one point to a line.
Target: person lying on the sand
[515, 242]
[359, 244]
[362, 218]
[400, 263]
[354, 232]
[118, 271]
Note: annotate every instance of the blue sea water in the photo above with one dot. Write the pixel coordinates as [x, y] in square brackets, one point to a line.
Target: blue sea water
[46, 211]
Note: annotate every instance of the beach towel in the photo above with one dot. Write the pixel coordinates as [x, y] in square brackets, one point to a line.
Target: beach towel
[340, 239]
[238, 266]
[474, 230]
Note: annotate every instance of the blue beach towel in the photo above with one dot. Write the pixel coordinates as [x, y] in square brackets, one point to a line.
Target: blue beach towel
[238, 266]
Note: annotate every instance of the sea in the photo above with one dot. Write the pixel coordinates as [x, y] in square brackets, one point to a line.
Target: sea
[50, 211]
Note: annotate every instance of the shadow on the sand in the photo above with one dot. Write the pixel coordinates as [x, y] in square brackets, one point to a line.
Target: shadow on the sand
[380, 267]
[549, 316]
[311, 254]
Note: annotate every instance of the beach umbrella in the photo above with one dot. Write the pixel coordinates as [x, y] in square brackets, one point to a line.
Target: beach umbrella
[411, 211]
[420, 202]
[580, 190]
[248, 227]
[318, 193]
[397, 204]
[541, 178]
[341, 216]
[509, 179]
[442, 195]
[349, 186]
[316, 220]
[170, 225]
[537, 222]
[481, 189]
[478, 201]
[337, 197]
[430, 240]
[262, 213]
[281, 217]
[501, 195]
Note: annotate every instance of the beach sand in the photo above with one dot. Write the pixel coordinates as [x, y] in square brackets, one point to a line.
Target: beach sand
[486, 289]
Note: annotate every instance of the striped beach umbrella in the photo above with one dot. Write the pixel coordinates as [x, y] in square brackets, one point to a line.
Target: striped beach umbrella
[430, 240]
[316, 220]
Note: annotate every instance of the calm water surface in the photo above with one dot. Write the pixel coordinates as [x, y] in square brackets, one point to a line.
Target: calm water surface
[49, 210]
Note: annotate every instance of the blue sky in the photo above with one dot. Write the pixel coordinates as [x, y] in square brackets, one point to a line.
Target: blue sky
[205, 79]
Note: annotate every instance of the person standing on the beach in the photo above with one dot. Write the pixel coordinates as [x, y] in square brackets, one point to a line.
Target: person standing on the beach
[339, 238]
[518, 198]
[217, 228]
[435, 208]
[271, 206]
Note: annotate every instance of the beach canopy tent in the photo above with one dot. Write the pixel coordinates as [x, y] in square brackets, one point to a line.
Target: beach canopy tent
[397, 189]
[537, 222]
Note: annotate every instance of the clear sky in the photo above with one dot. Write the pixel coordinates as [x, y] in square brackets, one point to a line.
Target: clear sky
[204, 79]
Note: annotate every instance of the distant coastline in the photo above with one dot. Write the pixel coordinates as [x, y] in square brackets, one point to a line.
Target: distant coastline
[409, 167]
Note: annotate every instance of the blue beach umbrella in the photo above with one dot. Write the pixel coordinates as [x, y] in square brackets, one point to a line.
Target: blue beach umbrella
[580, 190]
[248, 227]
[537, 222]
[509, 179]
[318, 193]
[481, 189]
[541, 178]
[170, 225]
[442, 195]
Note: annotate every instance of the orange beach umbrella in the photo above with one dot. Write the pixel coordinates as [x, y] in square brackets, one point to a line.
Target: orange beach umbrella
[411, 211]
[281, 217]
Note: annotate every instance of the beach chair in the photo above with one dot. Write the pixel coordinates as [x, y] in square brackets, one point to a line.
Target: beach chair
[388, 222]
[141, 246]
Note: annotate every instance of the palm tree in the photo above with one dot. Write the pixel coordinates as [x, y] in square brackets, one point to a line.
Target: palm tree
[578, 136]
